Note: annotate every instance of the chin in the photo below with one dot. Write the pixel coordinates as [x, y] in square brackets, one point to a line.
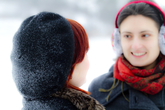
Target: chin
[142, 66]
[137, 65]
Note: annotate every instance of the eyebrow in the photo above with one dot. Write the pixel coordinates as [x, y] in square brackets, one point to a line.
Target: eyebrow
[126, 32]
[146, 31]
[140, 32]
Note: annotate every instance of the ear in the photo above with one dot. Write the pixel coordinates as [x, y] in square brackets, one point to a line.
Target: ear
[162, 39]
[116, 42]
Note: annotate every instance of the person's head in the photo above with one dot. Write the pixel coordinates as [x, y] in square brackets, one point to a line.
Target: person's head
[46, 49]
[139, 23]
[80, 64]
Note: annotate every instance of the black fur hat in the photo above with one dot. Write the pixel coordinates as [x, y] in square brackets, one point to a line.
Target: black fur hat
[42, 54]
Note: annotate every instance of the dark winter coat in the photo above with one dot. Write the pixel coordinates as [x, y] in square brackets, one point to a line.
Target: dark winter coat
[117, 101]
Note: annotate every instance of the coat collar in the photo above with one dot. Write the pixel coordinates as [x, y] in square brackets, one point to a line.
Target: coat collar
[115, 92]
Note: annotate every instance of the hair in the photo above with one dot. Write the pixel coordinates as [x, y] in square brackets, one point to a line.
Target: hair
[81, 48]
[141, 9]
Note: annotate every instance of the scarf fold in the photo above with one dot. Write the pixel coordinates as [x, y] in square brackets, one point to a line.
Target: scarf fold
[81, 100]
[149, 81]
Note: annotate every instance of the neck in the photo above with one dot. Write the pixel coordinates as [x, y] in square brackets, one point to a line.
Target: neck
[152, 65]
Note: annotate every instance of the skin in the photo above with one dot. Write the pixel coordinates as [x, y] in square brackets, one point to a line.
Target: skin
[139, 41]
[80, 72]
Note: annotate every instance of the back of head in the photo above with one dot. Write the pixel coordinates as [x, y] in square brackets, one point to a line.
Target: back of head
[42, 54]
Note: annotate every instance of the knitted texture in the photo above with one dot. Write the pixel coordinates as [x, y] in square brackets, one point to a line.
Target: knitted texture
[42, 54]
[150, 81]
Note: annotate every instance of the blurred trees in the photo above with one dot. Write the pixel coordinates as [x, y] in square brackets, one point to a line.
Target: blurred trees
[97, 16]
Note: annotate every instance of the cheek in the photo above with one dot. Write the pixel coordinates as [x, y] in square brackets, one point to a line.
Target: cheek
[124, 45]
[153, 45]
[87, 64]
[80, 72]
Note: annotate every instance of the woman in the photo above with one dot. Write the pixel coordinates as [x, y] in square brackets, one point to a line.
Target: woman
[50, 63]
[137, 79]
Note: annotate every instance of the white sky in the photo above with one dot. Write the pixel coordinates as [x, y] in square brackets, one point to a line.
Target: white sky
[160, 2]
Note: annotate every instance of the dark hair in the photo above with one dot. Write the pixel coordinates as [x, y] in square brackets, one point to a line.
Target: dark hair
[141, 9]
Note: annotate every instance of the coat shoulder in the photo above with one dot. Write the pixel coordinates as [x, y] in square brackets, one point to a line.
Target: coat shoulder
[105, 82]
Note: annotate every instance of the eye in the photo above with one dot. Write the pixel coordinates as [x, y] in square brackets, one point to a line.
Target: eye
[127, 36]
[145, 35]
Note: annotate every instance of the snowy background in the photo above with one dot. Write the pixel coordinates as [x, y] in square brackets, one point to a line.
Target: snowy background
[99, 29]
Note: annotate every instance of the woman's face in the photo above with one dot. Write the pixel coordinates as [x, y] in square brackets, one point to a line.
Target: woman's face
[80, 72]
[139, 41]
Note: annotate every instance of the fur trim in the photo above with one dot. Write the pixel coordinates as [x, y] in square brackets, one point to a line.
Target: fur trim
[117, 42]
[162, 39]
[81, 100]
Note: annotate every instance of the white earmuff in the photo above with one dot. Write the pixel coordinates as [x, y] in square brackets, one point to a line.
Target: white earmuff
[117, 42]
[162, 39]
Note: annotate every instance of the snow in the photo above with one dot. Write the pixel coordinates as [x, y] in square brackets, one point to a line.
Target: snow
[10, 97]
[100, 56]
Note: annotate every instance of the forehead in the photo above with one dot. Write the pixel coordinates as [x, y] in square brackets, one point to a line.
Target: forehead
[138, 23]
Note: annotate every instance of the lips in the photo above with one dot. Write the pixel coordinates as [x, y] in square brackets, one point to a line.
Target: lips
[138, 54]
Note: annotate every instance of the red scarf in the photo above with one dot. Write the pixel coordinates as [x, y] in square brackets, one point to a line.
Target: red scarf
[149, 81]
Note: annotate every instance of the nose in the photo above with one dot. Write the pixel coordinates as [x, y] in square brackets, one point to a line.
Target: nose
[136, 43]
